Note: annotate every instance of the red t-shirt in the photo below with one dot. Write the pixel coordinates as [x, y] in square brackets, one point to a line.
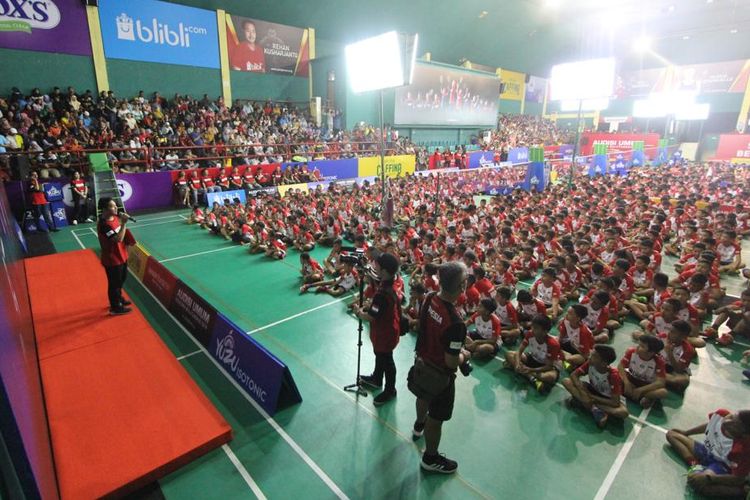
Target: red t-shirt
[245, 58]
[114, 253]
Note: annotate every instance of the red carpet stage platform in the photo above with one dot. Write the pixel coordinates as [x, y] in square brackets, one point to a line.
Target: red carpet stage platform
[123, 412]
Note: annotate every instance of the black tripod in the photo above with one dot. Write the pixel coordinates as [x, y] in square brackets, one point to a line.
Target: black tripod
[356, 387]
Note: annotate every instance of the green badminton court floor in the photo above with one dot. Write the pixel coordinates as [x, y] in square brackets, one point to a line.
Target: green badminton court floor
[509, 441]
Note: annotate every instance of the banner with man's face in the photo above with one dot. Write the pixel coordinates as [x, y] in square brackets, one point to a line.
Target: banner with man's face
[264, 47]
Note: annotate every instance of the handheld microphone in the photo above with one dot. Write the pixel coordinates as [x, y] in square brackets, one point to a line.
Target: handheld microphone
[130, 218]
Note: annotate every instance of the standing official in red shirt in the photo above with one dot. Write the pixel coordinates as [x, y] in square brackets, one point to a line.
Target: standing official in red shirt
[384, 316]
[114, 238]
[439, 348]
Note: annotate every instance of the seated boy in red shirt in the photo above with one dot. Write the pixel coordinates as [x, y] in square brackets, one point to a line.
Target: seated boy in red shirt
[720, 462]
[677, 354]
[546, 290]
[601, 394]
[536, 357]
[576, 340]
[643, 372]
[483, 341]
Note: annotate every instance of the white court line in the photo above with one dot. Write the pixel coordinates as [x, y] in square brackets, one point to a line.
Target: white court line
[286, 437]
[243, 472]
[180, 358]
[617, 465]
[289, 318]
[199, 253]
[139, 225]
[78, 240]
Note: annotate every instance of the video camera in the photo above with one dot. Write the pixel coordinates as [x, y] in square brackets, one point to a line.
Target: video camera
[353, 255]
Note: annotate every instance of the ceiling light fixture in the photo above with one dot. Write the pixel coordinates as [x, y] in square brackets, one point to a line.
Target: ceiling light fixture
[642, 43]
[733, 31]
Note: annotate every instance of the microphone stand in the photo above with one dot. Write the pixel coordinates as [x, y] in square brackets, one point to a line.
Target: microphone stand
[356, 387]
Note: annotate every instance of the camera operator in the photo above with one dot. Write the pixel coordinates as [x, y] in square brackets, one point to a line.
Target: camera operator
[439, 353]
[384, 316]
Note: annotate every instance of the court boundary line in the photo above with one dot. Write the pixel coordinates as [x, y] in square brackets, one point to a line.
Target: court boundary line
[196, 254]
[279, 430]
[620, 459]
[243, 472]
[302, 313]
[357, 402]
[185, 356]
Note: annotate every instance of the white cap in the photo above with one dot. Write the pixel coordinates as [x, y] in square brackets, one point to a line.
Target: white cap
[13, 131]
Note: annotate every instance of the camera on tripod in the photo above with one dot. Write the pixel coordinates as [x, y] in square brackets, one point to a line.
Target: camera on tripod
[353, 255]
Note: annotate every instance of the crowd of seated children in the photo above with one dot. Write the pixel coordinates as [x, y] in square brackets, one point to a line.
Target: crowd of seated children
[599, 251]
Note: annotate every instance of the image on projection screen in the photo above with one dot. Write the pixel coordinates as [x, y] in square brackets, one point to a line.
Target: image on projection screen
[443, 96]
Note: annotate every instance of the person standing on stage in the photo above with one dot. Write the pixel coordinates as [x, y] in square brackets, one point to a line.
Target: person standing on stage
[39, 202]
[384, 315]
[441, 337]
[114, 238]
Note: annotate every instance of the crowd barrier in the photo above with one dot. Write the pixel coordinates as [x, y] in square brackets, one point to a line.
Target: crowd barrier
[261, 375]
[23, 418]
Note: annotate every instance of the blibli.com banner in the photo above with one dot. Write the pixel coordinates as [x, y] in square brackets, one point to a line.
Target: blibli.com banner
[161, 32]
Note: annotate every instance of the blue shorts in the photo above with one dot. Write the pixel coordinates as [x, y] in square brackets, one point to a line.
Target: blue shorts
[707, 460]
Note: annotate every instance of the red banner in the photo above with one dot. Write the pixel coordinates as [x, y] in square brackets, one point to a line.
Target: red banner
[618, 143]
[732, 146]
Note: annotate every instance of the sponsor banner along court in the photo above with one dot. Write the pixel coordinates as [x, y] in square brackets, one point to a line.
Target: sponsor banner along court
[45, 25]
[160, 32]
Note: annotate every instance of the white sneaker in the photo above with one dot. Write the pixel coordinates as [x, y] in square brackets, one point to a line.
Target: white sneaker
[75, 222]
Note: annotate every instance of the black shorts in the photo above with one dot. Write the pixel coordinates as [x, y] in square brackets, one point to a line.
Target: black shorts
[532, 363]
[593, 391]
[476, 336]
[441, 406]
[568, 347]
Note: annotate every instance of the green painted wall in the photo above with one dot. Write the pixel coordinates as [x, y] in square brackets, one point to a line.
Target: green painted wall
[126, 78]
[26, 69]
[533, 108]
[507, 106]
[259, 87]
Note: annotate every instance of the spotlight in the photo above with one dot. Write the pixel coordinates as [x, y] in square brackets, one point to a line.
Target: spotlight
[642, 43]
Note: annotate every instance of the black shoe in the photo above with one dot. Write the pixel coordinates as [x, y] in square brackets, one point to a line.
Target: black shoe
[438, 463]
[384, 397]
[466, 368]
[124, 302]
[417, 431]
[369, 382]
[55, 230]
[117, 311]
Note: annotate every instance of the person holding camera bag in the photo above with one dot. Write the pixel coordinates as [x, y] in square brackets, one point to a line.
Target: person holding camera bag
[438, 354]
[384, 315]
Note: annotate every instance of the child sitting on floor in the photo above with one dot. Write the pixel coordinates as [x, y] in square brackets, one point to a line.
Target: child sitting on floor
[536, 357]
[600, 395]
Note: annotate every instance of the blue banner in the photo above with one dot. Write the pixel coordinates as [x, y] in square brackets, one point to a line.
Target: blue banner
[638, 159]
[518, 155]
[160, 32]
[57, 208]
[536, 177]
[481, 159]
[260, 374]
[224, 196]
[598, 166]
[53, 190]
[621, 166]
[566, 152]
[347, 168]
